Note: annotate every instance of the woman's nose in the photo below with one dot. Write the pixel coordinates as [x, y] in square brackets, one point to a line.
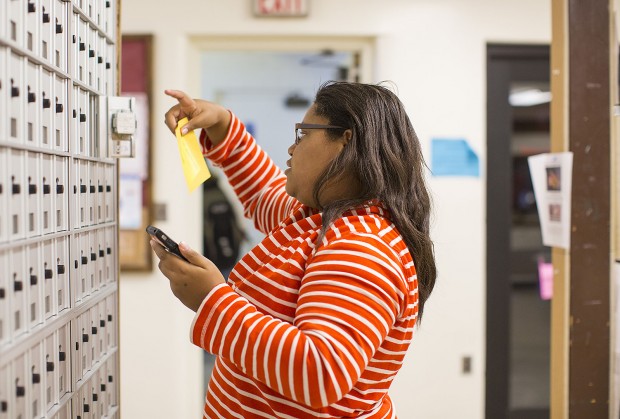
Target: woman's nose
[290, 150]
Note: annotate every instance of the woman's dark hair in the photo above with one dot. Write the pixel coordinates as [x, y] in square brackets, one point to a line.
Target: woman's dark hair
[385, 157]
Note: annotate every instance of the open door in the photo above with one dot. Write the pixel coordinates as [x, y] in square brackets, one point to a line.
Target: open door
[518, 316]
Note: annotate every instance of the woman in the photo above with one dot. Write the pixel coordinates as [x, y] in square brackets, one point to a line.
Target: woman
[315, 321]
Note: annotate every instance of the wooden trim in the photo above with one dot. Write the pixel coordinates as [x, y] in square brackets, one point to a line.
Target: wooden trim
[135, 252]
[589, 140]
[560, 257]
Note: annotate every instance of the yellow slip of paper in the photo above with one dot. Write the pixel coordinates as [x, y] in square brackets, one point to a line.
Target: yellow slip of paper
[194, 165]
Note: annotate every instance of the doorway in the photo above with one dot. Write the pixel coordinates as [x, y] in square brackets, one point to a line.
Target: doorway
[270, 91]
[518, 315]
[269, 83]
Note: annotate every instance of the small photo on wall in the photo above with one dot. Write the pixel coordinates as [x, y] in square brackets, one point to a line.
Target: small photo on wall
[554, 179]
[555, 212]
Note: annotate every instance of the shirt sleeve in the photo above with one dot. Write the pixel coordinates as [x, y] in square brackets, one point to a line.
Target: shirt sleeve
[257, 181]
[352, 292]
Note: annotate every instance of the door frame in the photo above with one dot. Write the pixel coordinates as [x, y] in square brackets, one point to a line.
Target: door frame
[506, 63]
[364, 45]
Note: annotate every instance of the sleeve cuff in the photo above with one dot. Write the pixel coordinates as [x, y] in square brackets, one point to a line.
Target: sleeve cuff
[220, 152]
[206, 311]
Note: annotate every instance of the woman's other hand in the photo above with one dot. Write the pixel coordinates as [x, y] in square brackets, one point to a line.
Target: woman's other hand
[201, 114]
[189, 282]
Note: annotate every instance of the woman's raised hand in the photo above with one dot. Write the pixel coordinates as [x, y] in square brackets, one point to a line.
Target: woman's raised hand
[200, 113]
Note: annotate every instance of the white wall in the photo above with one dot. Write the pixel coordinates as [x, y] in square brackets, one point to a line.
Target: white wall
[434, 51]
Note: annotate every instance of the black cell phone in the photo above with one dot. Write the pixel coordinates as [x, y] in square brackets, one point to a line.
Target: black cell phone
[165, 240]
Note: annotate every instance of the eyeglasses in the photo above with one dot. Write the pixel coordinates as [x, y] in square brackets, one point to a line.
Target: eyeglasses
[300, 126]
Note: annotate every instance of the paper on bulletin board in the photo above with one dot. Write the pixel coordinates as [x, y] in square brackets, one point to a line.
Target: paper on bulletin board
[138, 165]
[552, 176]
[130, 202]
[453, 157]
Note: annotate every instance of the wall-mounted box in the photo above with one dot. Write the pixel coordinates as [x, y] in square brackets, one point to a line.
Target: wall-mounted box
[93, 194]
[73, 50]
[61, 112]
[4, 88]
[36, 375]
[77, 409]
[110, 256]
[6, 290]
[99, 248]
[15, 24]
[3, 24]
[49, 280]
[111, 323]
[17, 292]
[46, 30]
[93, 41]
[16, 97]
[83, 32]
[83, 193]
[78, 188]
[34, 296]
[31, 40]
[61, 33]
[101, 71]
[21, 389]
[47, 114]
[80, 116]
[81, 347]
[46, 185]
[5, 386]
[33, 100]
[50, 368]
[99, 177]
[96, 342]
[63, 290]
[4, 194]
[98, 408]
[93, 261]
[16, 193]
[110, 192]
[63, 339]
[109, 25]
[80, 281]
[60, 191]
[111, 382]
[32, 194]
[110, 70]
[104, 325]
[91, 10]
[88, 264]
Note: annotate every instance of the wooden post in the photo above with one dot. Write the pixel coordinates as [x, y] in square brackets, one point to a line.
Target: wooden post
[581, 56]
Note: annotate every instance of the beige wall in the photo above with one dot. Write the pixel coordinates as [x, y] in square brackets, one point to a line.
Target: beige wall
[434, 51]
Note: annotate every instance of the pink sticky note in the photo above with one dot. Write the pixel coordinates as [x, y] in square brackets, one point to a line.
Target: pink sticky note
[545, 279]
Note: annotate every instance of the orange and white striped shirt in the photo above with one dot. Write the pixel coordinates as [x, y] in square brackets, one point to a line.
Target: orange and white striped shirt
[305, 330]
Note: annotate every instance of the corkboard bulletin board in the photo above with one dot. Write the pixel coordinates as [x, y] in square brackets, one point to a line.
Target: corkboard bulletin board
[135, 187]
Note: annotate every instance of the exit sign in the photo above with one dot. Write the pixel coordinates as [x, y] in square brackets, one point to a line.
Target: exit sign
[291, 8]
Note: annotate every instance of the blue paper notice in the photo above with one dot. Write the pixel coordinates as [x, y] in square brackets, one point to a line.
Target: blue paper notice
[453, 157]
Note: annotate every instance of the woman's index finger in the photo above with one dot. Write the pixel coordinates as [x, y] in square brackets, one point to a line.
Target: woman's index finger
[185, 101]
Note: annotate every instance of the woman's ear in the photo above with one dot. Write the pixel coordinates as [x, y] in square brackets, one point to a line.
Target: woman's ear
[346, 136]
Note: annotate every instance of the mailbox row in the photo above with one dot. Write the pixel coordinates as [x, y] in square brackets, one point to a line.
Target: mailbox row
[40, 281]
[59, 33]
[43, 109]
[43, 382]
[36, 190]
